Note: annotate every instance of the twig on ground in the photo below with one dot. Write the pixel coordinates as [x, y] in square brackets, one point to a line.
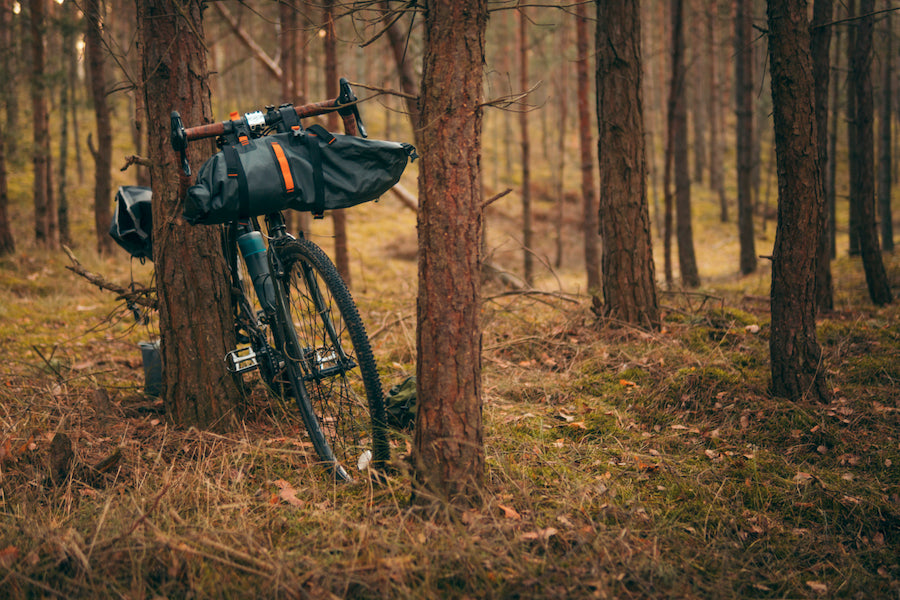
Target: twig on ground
[131, 296]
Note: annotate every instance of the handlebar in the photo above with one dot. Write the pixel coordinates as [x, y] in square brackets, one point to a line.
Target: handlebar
[257, 123]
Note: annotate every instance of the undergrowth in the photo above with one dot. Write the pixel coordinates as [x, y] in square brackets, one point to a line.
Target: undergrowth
[620, 464]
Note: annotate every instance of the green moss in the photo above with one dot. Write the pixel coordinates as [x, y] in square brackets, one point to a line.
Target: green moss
[701, 385]
[875, 369]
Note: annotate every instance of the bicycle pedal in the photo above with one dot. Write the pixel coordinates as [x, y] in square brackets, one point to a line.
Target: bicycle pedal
[241, 360]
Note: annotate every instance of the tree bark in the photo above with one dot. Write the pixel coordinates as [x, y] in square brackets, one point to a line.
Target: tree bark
[852, 132]
[7, 242]
[687, 260]
[820, 40]
[588, 189]
[562, 95]
[743, 84]
[831, 197]
[668, 197]
[863, 176]
[629, 287]
[884, 146]
[399, 41]
[11, 69]
[527, 227]
[338, 217]
[45, 219]
[796, 360]
[449, 450]
[716, 176]
[94, 52]
[195, 309]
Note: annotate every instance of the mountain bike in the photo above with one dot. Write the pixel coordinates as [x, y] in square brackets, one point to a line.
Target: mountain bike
[295, 320]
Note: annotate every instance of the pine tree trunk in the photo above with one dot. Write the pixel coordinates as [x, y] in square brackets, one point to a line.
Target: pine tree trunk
[716, 176]
[338, 217]
[94, 52]
[743, 84]
[62, 200]
[853, 149]
[884, 153]
[195, 309]
[668, 196]
[560, 134]
[687, 260]
[7, 243]
[45, 221]
[863, 177]
[797, 370]
[449, 447]
[589, 195]
[629, 287]
[11, 60]
[831, 197]
[401, 51]
[820, 40]
[527, 227]
[697, 93]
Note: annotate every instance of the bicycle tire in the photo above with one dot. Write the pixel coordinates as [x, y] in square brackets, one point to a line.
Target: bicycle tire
[337, 386]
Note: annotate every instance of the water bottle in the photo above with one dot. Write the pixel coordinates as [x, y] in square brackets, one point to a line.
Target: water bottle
[254, 252]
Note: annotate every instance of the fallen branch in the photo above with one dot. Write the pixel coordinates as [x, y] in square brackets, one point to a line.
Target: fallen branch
[140, 296]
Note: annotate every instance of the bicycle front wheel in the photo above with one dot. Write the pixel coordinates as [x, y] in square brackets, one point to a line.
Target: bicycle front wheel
[330, 362]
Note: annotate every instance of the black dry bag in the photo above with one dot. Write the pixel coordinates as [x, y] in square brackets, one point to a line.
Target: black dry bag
[132, 223]
[306, 169]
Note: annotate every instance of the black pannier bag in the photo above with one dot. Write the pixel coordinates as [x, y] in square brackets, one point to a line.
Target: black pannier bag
[132, 222]
[306, 170]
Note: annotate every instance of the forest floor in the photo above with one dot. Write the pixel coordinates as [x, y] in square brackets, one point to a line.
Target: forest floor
[620, 463]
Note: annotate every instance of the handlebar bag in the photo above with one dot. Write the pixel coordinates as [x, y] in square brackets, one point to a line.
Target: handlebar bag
[132, 223]
[306, 170]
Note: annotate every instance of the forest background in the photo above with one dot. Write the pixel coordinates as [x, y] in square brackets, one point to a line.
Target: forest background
[621, 462]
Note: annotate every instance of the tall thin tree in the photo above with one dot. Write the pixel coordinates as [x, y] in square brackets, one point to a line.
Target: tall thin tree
[796, 359]
[716, 175]
[820, 41]
[45, 218]
[862, 170]
[527, 226]
[449, 447]
[338, 217]
[7, 242]
[885, 117]
[196, 329]
[743, 91]
[687, 259]
[588, 189]
[94, 52]
[629, 287]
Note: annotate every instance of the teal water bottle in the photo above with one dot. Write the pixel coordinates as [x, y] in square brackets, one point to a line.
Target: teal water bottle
[254, 252]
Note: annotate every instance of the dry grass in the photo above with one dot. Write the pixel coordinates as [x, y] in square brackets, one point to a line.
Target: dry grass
[621, 464]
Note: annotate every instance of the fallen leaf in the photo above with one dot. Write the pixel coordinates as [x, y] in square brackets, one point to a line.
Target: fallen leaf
[539, 534]
[288, 493]
[802, 477]
[818, 587]
[510, 513]
[8, 556]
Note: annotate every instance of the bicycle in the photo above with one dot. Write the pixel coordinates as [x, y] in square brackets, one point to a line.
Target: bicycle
[303, 332]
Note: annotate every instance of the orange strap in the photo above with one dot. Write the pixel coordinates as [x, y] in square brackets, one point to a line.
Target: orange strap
[285, 168]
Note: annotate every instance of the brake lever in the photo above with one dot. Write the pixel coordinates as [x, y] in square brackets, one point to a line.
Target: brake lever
[347, 97]
[178, 139]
